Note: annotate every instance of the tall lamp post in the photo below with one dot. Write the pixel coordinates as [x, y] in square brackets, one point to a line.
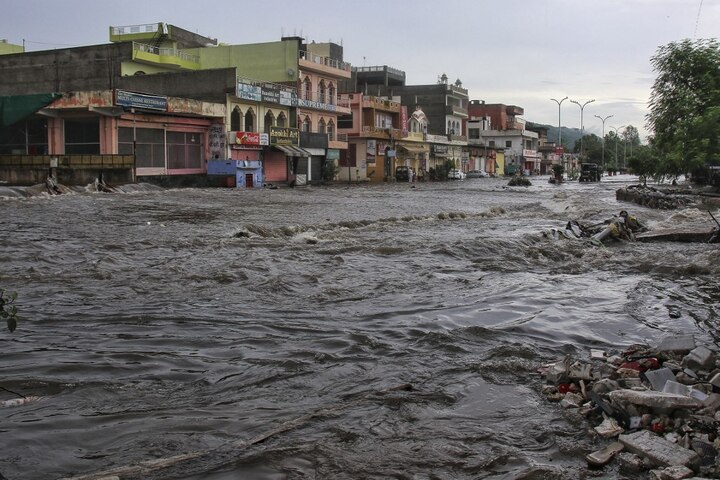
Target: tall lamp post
[603, 142]
[559, 102]
[582, 125]
[617, 136]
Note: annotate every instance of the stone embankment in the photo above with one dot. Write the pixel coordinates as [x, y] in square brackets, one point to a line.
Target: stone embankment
[656, 409]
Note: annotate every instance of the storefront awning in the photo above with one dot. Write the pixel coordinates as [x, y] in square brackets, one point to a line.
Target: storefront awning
[315, 152]
[18, 107]
[414, 148]
[293, 151]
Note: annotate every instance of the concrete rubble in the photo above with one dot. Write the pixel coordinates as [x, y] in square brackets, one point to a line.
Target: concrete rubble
[655, 409]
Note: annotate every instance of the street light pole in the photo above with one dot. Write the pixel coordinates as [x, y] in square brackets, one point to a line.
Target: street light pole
[582, 125]
[559, 102]
[603, 142]
[617, 136]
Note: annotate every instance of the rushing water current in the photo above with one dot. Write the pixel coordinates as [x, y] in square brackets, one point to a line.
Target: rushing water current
[344, 332]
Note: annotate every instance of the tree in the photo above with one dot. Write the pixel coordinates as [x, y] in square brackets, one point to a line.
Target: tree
[685, 106]
[643, 162]
[8, 311]
[592, 148]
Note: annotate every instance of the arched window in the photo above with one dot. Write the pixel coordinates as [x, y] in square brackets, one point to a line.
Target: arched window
[331, 130]
[235, 120]
[250, 120]
[281, 120]
[321, 126]
[307, 89]
[331, 94]
[321, 92]
[307, 125]
[450, 127]
[269, 118]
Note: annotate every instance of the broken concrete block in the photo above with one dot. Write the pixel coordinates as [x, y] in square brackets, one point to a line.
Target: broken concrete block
[629, 462]
[558, 372]
[604, 455]
[715, 380]
[609, 428]
[658, 450]
[699, 358]
[605, 385]
[677, 343]
[580, 371]
[677, 472]
[572, 400]
[680, 389]
[657, 378]
[597, 354]
[653, 399]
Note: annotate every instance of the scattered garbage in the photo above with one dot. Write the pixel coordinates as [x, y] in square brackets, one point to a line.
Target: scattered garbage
[519, 181]
[658, 406]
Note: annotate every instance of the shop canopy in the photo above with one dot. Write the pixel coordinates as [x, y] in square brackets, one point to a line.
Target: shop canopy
[293, 151]
[18, 107]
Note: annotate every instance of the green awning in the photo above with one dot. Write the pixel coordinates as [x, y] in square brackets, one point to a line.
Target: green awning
[18, 107]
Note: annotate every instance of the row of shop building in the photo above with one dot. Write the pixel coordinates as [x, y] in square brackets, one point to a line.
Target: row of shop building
[186, 110]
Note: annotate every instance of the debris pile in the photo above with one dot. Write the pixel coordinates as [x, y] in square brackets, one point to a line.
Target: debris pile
[651, 197]
[654, 408]
[622, 227]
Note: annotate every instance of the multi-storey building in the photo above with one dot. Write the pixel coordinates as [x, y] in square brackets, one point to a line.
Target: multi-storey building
[432, 117]
[500, 126]
[275, 99]
[371, 127]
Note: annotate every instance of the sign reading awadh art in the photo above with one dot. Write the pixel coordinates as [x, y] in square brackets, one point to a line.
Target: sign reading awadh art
[127, 99]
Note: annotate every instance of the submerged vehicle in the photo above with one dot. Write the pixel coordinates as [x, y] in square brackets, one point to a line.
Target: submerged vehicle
[589, 172]
[402, 173]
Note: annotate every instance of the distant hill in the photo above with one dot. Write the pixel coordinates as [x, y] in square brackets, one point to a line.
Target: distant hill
[569, 135]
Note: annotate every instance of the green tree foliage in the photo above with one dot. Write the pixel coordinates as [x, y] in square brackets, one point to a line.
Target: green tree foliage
[8, 311]
[685, 106]
[592, 148]
[643, 162]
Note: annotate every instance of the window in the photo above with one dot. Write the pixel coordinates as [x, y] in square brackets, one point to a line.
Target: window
[331, 94]
[184, 150]
[150, 146]
[331, 130]
[249, 121]
[82, 136]
[383, 120]
[269, 117]
[321, 91]
[321, 126]
[307, 89]
[235, 120]
[345, 121]
[491, 143]
[281, 120]
[474, 133]
[508, 143]
[306, 125]
[26, 137]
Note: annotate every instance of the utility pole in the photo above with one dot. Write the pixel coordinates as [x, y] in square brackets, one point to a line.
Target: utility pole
[582, 125]
[603, 139]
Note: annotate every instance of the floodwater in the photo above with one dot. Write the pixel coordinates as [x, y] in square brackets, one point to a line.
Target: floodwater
[344, 332]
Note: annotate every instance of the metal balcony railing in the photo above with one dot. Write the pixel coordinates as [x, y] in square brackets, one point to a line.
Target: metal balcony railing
[135, 29]
[321, 60]
[166, 52]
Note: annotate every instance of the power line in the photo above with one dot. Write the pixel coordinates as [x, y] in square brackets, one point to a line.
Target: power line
[697, 20]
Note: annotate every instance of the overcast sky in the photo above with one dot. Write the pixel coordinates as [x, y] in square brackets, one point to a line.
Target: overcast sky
[516, 52]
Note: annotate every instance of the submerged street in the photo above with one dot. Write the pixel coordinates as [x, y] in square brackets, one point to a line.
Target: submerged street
[352, 331]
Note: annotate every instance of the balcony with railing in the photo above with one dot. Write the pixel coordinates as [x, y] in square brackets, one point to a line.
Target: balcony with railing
[168, 57]
[378, 103]
[321, 64]
[371, 131]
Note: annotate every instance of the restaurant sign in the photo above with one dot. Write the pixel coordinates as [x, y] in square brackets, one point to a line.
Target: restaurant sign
[127, 99]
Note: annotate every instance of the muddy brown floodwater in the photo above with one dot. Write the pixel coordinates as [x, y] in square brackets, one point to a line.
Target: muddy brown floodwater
[344, 332]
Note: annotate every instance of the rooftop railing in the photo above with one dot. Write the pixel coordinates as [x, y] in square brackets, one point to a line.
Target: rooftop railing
[321, 60]
[166, 52]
